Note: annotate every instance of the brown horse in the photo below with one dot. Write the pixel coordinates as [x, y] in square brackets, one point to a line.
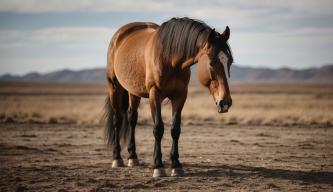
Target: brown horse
[151, 61]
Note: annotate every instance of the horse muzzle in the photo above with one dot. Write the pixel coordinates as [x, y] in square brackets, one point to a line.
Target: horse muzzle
[223, 105]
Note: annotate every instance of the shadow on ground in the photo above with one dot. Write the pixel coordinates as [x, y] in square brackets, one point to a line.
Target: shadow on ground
[314, 177]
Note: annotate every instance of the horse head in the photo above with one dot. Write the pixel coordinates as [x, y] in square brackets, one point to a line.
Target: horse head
[214, 62]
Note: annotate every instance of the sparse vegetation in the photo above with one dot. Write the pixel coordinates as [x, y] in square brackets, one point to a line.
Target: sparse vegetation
[255, 104]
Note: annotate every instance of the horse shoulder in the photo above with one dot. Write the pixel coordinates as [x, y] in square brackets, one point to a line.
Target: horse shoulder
[153, 69]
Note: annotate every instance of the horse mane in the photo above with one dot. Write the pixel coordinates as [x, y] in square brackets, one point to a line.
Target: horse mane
[227, 46]
[179, 39]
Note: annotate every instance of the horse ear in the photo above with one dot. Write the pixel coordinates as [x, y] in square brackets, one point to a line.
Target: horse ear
[211, 35]
[226, 34]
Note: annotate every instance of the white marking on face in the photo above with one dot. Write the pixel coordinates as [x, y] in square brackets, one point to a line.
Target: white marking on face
[224, 60]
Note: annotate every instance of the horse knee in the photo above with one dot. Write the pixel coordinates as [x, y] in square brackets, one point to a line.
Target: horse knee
[117, 120]
[158, 130]
[175, 129]
[175, 132]
[132, 117]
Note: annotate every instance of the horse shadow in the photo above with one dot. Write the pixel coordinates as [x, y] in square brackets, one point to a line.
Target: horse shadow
[313, 177]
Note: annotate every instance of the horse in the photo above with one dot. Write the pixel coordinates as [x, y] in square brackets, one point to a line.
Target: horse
[145, 60]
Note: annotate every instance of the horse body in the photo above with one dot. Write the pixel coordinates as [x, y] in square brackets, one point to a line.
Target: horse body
[130, 62]
[151, 61]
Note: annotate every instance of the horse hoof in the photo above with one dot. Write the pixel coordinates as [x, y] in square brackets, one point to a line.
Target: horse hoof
[133, 162]
[159, 173]
[117, 163]
[177, 172]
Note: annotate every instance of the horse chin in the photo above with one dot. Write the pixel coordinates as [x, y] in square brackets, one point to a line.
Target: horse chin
[221, 110]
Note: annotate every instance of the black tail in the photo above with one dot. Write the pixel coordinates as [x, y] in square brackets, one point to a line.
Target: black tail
[111, 116]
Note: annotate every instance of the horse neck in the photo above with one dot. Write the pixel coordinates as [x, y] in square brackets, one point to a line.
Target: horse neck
[203, 74]
[188, 62]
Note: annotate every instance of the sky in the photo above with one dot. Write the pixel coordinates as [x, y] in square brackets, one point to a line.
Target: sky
[44, 36]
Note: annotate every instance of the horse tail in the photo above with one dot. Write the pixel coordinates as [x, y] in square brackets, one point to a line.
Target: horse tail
[111, 117]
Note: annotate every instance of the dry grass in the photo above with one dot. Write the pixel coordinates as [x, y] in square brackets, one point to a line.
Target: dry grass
[256, 104]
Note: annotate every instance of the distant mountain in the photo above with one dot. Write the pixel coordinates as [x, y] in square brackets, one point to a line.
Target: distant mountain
[322, 74]
[64, 76]
[238, 74]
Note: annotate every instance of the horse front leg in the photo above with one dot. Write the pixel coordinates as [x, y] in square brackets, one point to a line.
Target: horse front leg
[177, 106]
[155, 106]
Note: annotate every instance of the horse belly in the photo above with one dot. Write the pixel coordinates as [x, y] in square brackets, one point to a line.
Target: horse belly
[129, 67]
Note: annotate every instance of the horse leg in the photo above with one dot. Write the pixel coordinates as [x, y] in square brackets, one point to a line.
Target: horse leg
[134, 102]
[177, 106]
[155, 106]
[116, 100]
[117, 160]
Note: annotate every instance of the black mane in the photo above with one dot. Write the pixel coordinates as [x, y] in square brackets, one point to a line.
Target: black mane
[180, 38]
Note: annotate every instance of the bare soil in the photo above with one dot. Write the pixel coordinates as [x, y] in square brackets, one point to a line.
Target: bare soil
[46, 157]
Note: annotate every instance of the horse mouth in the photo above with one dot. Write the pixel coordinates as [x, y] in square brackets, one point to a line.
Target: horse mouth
[223, 109]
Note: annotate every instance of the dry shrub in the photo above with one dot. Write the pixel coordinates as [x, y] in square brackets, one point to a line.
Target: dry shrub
[253, 104]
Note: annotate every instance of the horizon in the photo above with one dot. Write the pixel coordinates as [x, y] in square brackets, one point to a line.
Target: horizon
[46, 36]
[101, 67]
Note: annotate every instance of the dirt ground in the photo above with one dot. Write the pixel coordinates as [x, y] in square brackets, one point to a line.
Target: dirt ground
[276, 137]
[46, 157]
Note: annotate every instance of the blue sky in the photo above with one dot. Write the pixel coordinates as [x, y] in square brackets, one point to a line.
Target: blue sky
[43, 36]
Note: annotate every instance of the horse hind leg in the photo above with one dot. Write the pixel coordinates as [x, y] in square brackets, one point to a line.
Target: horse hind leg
[134, 102]
[116, 127]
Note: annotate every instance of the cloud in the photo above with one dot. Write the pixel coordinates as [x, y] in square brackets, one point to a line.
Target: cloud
[304, 48]
[236, 12]
[254, 15]
[82, 5]
[295, 33]
[307, 6]
[64, 36]
[53, 48]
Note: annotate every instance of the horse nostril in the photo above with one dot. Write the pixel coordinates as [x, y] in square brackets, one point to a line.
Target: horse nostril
[221, 103]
